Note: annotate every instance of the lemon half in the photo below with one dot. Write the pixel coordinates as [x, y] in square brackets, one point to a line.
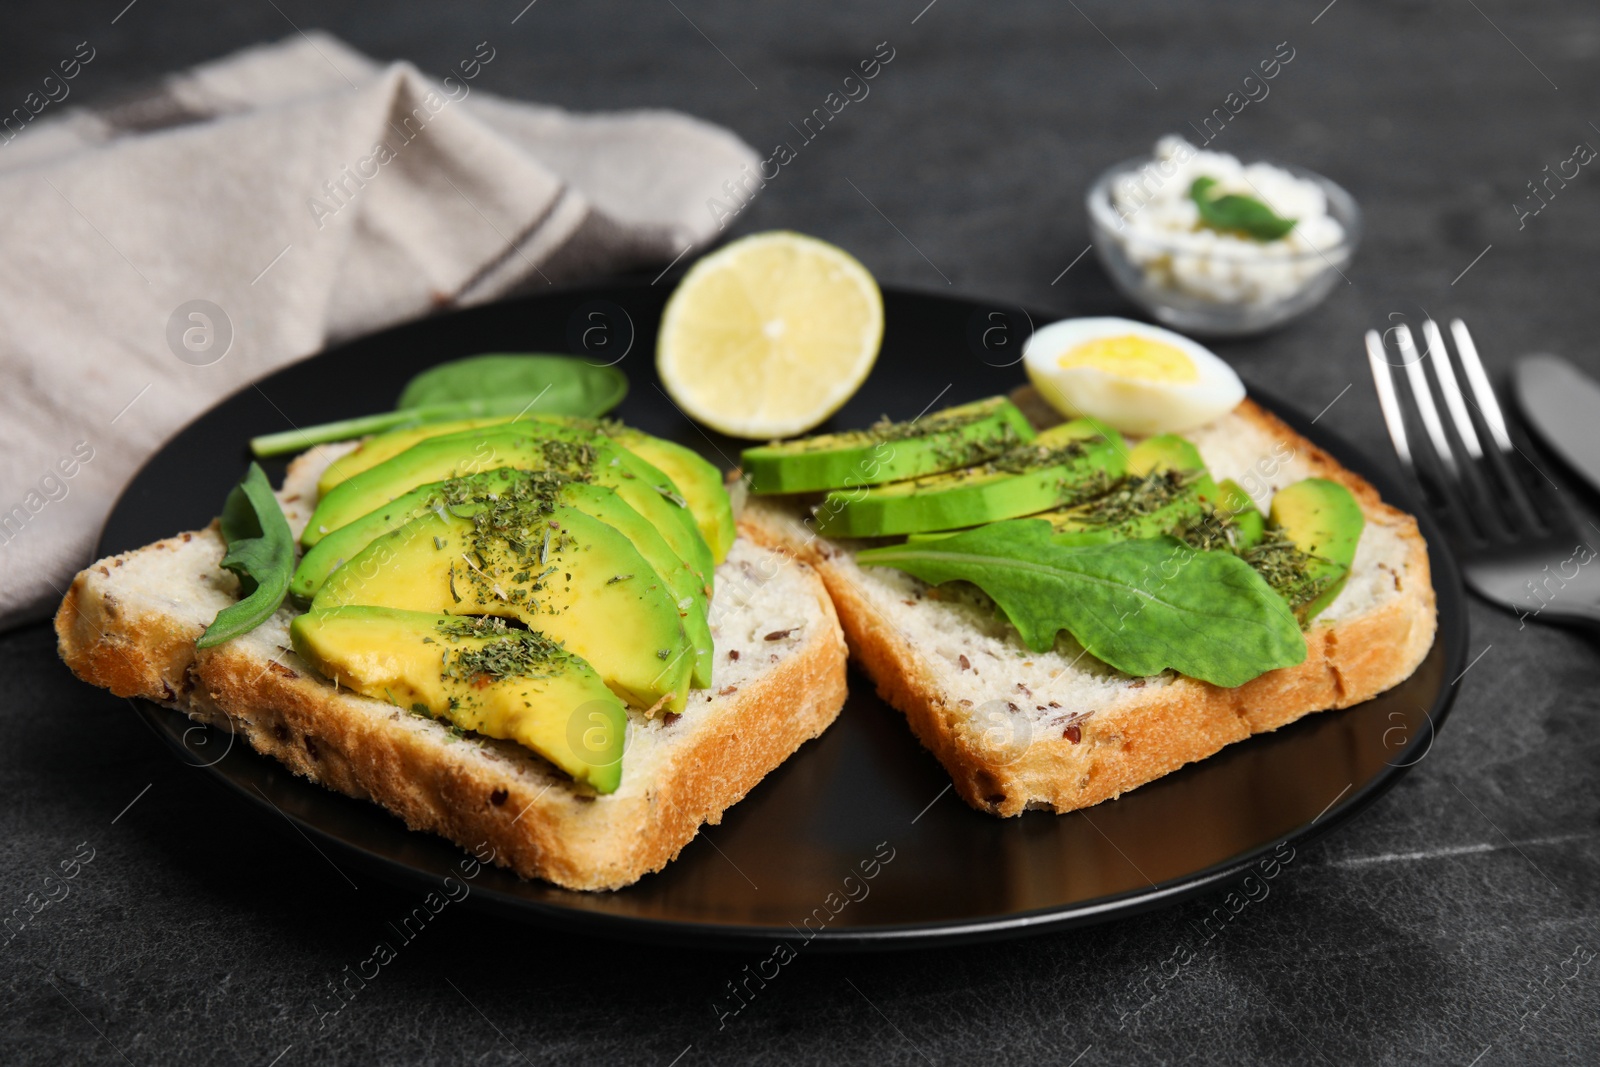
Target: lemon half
[770, 335]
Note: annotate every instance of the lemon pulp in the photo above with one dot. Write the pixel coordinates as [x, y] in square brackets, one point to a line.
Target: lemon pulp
[769, 336]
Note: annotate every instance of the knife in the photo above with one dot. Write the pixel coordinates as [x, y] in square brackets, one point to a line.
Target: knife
[1563, 404]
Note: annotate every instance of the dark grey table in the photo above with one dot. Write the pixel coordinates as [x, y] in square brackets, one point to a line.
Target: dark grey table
[1446, 925]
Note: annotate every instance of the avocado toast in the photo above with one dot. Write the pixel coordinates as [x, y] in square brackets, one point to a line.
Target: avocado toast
[422, 749]
[1020, 729]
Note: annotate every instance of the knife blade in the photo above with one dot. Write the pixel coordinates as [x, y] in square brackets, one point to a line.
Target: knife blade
[1563, 404]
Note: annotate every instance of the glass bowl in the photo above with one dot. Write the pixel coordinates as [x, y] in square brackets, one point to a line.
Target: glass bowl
[1187, 281]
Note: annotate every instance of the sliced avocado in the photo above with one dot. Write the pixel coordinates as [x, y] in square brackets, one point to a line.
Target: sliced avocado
[1164, 452]
[465, 497]
[379, 447]
[1166, 490]
[1309, 544]
[480, 675]
[559, 570]
[698, 481]
[1141, 506]
[1173, 455]
[1248, 522]
[688, 595]
[451, 455]
[1062, 465]
[946, 440]
[533, 446]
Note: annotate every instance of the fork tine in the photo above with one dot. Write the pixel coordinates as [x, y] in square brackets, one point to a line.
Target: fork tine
[1393, 416]
[1498, 514]
[1441, 485]
[1532, 495]
[1423, 395]
[1453, 400]
[1481, 389]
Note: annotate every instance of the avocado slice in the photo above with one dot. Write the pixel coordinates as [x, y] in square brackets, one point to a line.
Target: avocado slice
[465, 497]
[946, 440]
[479, 674]
[379, 447]
[533, 446]
[1309, 544]
[1164, 452]
[1063, 465]
[698, 481]
[696, 478]
[1248, 522]
[1165, 491]
[688, 595]
[567, 574]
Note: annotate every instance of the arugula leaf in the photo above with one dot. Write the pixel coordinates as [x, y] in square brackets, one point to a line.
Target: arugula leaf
[487, 386]
[1141, 606]
[260, 552]
[1232, 213]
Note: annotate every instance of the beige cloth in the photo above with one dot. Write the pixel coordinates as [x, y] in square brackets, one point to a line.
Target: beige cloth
[309, 193]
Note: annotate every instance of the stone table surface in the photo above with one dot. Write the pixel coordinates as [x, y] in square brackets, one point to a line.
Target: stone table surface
[1447, 924]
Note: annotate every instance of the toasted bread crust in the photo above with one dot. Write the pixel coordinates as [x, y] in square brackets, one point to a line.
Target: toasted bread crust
[538, 824]
[1135, 741]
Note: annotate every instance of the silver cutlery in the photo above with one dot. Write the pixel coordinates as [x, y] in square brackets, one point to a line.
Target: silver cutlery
[1507, 522]
[1563, 405]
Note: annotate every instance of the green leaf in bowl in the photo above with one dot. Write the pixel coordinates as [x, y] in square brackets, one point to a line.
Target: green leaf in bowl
[1232, 213]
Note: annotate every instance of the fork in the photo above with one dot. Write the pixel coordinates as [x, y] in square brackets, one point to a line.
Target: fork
[1513, 534]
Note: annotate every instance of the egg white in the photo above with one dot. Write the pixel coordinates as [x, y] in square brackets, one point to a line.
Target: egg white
[1131, 405]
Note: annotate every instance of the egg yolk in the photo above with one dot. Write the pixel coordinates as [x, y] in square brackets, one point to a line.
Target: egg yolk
[1131, 356]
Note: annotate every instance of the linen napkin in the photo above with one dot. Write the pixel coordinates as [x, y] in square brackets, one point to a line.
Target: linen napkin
[167, 249]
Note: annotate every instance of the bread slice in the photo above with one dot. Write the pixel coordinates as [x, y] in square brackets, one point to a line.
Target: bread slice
[129, 624]
[1020, 730]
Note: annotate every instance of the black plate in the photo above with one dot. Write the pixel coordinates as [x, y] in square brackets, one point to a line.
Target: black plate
[783, 854]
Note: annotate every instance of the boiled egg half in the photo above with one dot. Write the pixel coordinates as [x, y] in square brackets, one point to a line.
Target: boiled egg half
[1139, 379]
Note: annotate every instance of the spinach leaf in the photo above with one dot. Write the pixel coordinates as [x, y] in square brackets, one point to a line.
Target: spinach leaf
[486, 386]
[260, 552]
[564, 385]
[1141, 606]
[1232, 213]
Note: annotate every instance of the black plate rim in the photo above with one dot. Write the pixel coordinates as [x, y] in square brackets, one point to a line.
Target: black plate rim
[888, 937]
[1450, 594]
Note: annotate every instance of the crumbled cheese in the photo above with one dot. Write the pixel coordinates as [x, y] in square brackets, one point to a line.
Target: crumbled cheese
[1162, 236]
